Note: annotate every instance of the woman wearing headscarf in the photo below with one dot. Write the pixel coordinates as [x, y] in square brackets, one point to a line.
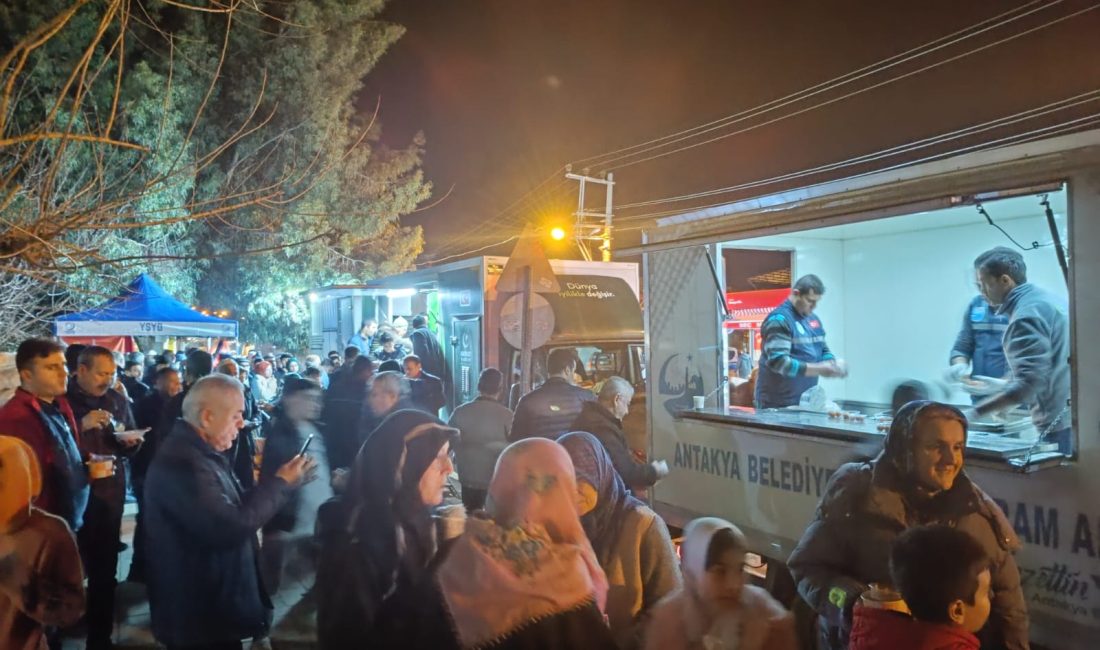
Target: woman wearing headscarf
[715, 609]
[917, 479]
[41, 579]
[631, 542]
[522, 576]
[378, 538]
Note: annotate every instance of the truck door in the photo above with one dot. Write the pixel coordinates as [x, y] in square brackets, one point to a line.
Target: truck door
[465, 357]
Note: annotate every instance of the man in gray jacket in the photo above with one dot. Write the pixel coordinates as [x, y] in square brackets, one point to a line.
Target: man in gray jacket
[483, 423]
[1036, 345]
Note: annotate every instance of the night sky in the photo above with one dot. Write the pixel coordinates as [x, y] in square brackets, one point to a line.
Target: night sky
[509, 91]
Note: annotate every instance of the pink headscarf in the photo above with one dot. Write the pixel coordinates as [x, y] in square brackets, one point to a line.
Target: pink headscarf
[531, 559]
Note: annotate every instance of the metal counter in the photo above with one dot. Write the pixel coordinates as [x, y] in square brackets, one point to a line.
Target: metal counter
[1017, 441]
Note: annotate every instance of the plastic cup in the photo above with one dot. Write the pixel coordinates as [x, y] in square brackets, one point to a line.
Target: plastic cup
[100, 466]
[699, 402]
[451, 521]
[881, 596]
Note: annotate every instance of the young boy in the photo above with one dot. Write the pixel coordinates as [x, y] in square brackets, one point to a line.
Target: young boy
[41, 580]
[943, 576]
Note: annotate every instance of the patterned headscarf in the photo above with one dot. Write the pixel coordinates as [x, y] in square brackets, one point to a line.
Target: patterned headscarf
[531, 559]
[613, 501]
[897, 450]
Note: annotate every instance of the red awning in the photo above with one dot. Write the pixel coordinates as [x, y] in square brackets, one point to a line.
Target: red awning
[748, 309]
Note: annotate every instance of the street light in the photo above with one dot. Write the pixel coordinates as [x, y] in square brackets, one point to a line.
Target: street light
[557, 233]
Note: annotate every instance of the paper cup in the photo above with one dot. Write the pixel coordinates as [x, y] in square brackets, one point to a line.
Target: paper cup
[699, 402]
[101, 466]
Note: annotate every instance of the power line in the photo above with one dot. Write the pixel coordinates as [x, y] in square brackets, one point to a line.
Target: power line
[861, 90]
[500, 221]
[1019, 138]
[469, 252]
[1028, 114]
[824, 86]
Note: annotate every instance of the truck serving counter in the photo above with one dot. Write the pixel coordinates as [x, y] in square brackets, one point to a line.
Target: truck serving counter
[1008, 442]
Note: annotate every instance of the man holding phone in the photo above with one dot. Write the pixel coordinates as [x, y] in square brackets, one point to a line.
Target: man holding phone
[204, 525]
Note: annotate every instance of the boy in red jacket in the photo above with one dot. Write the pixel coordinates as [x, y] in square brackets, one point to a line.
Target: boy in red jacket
[943, 576]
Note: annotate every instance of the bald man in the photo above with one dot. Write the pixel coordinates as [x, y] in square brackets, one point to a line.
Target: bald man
[204, 588]
[603, 418]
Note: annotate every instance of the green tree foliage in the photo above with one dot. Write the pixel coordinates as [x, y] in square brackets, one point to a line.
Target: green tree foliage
[252, 175]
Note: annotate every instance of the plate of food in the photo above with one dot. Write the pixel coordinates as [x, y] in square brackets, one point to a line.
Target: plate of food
[131, 435]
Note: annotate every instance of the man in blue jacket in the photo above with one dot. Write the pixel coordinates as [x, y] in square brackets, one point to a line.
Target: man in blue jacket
[978, 351]
[1036, 345]
[794, 353]
[205, 589]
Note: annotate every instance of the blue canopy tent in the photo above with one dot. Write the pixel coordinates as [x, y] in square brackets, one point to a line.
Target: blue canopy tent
[143, 309]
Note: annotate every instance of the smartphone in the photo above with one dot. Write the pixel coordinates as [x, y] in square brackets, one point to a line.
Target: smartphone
[305, 445]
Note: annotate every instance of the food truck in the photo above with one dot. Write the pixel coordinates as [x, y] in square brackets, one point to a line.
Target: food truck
[596, 311]
[895, 250]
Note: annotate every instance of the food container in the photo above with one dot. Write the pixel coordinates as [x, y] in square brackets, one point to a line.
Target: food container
[100, 467]
[881, 596]
[130, 436]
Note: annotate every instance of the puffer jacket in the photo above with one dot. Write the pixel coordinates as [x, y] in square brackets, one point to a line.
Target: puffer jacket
[874, 629]
[549, 410]
[847, 546]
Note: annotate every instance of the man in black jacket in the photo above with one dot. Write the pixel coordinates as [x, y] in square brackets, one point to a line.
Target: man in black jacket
[425, 388]
[199, 364]
[549, 410]
[131, 379]
[147, 415]
[426, 346]
[343, 404]
[99, 410]
[603, 418]
[204, 587]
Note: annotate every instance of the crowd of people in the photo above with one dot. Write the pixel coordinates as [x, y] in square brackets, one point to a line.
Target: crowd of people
[342, 470]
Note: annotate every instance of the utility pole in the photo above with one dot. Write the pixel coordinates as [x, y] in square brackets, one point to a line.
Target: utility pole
[593, 225]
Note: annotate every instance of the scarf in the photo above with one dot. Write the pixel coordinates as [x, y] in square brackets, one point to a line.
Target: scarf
[613, 501]
[387, 516]
[724, 631]
[897, 449]
[20, 481]
[530, 560]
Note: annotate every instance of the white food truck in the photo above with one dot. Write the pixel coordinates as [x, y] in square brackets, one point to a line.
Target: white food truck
[895, 250]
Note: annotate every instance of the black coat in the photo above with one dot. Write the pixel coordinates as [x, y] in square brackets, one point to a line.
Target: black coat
[549, 410]
[427, 347]
[427, 393]
[282, 444]
[147, 414]
[344, 402]
[204, 580]
[101, 440]
[135, 388]
[608, 429]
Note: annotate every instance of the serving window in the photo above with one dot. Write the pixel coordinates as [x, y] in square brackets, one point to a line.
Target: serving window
[898, 291]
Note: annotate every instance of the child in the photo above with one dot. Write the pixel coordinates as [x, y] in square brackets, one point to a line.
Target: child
[943, 576]
[715, 609]
[41, 580]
